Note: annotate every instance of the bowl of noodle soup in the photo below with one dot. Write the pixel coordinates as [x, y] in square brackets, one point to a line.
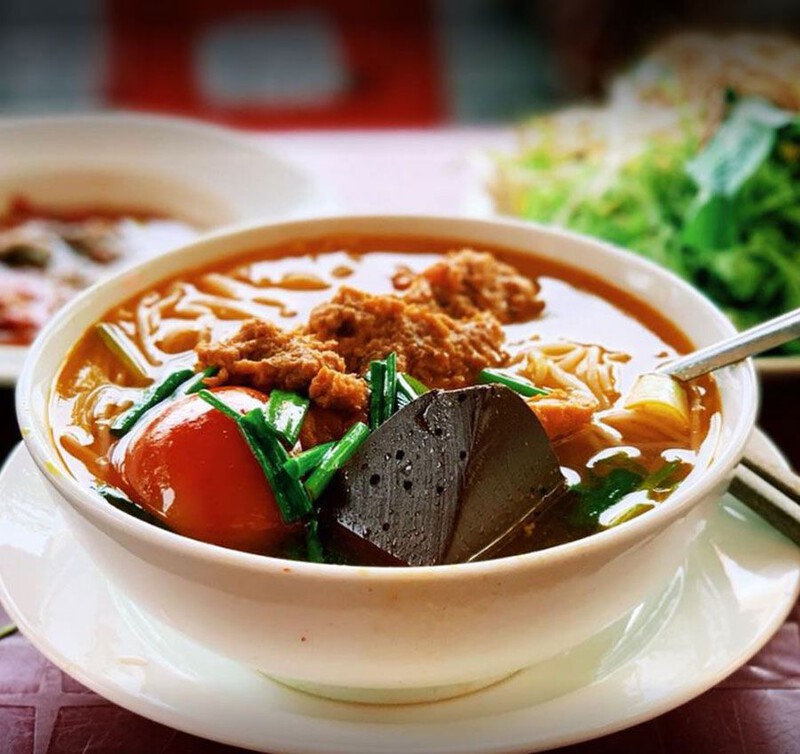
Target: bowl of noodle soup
[360, 631]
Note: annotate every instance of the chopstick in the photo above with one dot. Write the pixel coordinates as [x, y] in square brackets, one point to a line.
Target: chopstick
[770, 491]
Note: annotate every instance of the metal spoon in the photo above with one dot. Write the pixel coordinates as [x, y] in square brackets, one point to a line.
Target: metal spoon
[769, 334]
[769, 489]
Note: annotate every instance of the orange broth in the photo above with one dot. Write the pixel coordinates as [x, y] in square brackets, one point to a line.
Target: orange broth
[286, 282]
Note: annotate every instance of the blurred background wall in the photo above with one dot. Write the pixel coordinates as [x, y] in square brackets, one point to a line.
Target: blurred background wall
[336, 63]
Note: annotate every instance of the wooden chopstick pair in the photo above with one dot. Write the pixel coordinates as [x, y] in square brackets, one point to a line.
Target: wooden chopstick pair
[771, 491]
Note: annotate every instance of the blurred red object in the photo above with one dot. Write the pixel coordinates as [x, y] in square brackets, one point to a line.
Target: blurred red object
[278, 63]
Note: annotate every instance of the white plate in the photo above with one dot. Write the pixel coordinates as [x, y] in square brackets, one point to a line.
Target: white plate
[207, 175]
[735, 589]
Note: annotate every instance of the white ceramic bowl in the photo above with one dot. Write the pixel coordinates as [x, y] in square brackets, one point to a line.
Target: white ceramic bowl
[391, 634]
[205, 175]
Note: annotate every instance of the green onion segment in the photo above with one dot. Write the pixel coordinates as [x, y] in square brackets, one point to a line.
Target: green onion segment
[314, 549]
[377, 378]
[290, 495]
[218, 404]
[285, 414]
[517, 384]
[389, 387]
[122, 502]
[408, 389]
[198, 382]
[115, 339]
[300, 465]
[335, 458]
[154, 395]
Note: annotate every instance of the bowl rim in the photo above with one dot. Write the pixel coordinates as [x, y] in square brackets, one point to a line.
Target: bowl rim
[39, 443]
[319, 201]
[124, 117]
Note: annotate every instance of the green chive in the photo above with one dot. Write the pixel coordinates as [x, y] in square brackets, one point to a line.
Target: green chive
[298, 466]
[115, 339]
[123, 503]
[408, 389]
[389, 387]
[198, 382]
[313, 543]
[632, 512]
[285, 414]
[377, 374]
[335, 458]
[289, 493]
[8, 630]
[212, 399]
[517, 384]
[154, 395]
[600, 494]
[657, 479]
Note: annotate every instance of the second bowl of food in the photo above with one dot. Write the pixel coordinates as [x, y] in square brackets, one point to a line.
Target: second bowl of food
[385, 458]
[83, 196]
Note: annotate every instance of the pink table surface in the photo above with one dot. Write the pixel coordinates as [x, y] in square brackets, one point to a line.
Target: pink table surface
[754, 711]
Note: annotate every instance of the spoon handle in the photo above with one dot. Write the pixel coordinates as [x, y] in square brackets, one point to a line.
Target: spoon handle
[760, 338]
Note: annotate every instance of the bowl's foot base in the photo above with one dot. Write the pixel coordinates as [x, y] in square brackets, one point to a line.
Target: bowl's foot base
[414, 695]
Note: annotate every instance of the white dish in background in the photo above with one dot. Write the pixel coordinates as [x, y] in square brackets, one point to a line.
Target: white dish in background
[733, 591]
[205, 175]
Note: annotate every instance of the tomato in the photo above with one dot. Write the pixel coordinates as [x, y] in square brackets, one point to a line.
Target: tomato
[191, 467]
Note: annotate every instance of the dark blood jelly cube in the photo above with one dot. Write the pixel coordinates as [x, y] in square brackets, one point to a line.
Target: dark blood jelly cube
[455, 476]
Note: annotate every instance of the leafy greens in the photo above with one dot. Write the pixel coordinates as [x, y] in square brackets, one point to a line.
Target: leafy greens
[724, 215]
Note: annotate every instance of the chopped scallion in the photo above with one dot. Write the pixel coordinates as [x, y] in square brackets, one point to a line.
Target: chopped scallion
[408, 389]
[8, 630]
[600, 494]
[123, 503]
[660, 476]
[517, 384]
[335, 458]
[389, 387]
[212, 399]
[285, 414]
[115, 339]
[198, 382]
[154, 395]
[632, 512]
[313, 543]
[290, 494]
[300, 465]
[377, 374]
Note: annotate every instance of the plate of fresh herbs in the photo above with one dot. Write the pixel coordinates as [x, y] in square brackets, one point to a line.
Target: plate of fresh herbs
[703, 178]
